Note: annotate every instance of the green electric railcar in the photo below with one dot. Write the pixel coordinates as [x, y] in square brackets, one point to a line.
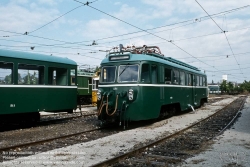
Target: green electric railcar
[30, 83]
[141, 84]
[84, 85]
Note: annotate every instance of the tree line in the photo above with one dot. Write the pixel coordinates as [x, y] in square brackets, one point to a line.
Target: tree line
[233, 88]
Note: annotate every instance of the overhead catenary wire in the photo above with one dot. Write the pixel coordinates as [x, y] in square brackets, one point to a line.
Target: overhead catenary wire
[225, 36]
[149, 33]
[176, 40]
[65, 42]
[190, 20]
[139, 31]
[26, 33]
[59, 53]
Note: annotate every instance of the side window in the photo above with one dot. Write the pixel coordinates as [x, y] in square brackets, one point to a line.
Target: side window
[176, 76]
[189, 80]
[6, 76]
[57, 76]
[154, 73]
[168, 76]
[182, 78]
[30, 74]
[197, 80]
[201, 80]
[204, 81]
[145, 73]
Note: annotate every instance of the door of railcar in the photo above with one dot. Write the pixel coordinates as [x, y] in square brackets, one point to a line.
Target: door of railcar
[195, 84]
[191, 84]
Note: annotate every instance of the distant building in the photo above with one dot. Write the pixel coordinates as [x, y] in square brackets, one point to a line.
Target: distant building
[214, 89]
[224, 77]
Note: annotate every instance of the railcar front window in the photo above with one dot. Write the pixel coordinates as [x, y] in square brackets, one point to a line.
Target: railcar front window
[128, 73]
[6, 73]
[108, 74]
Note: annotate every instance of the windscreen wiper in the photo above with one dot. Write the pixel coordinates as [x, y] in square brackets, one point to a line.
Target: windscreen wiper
[123, 70]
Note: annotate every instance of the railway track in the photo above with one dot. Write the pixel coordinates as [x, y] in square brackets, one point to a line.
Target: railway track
[46, 120]
[175, 148]
[46, 140]
[51, 120]
[52, 143]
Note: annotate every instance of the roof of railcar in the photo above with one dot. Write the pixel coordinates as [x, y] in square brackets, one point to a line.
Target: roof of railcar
[36, 56]
[156, 58]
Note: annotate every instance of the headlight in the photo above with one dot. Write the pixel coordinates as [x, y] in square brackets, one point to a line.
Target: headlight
[130, 94]
[99, 95]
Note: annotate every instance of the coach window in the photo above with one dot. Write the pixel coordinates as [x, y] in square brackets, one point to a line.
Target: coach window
[154, 74]
[6, 76]
[57, 76]
[73, 80]
[30, 74]
[182, 78]
[145, 73]
[73, 76]
[168, 76]
[176, 77]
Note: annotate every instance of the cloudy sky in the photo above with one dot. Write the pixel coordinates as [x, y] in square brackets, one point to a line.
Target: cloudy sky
[219, 45]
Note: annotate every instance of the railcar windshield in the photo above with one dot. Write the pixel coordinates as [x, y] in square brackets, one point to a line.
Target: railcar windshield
[108, 74]
[128, 73]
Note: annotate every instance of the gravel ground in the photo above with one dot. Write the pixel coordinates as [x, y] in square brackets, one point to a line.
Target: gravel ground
[174, 151]
[19, 136]
[230, 149]
[84, 110]
[90, 153]
[14, 137]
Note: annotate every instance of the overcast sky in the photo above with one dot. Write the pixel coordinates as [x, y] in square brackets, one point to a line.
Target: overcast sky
[181, 28]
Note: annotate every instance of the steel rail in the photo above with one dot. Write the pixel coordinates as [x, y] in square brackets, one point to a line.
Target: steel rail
[151, 144]
[49, 139]
[67, 118]
[233, 120]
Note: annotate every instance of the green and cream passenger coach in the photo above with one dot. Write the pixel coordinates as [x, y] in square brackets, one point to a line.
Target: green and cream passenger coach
[30, 83]
[140, 83]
